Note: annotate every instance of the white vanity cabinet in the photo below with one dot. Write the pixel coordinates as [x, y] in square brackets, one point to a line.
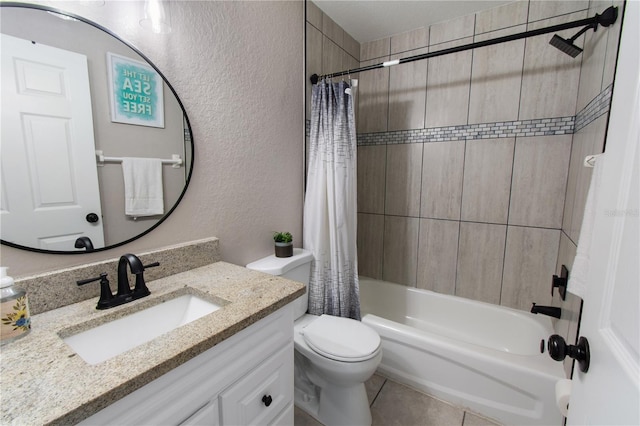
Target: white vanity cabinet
[245, 380]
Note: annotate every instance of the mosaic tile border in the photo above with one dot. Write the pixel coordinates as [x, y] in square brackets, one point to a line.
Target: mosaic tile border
[505, 129]
[598, 106]
[521, 128]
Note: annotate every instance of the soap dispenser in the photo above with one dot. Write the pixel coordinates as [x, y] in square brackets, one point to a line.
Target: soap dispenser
[15, 321]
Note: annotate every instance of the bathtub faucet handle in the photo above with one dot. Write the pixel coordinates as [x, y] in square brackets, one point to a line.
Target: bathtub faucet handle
[560, 282]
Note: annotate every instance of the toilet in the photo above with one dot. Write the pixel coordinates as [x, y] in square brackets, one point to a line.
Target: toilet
[333, 356]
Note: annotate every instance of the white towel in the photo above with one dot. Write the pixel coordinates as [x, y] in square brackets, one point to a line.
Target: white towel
[579, 274]
[143, 186]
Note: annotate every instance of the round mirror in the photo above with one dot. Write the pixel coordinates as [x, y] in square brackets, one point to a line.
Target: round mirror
[96, 146]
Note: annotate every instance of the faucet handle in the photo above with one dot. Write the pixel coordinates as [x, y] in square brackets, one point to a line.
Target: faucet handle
[141, 290]
[90, 280]
[560, 282]
[105, 290]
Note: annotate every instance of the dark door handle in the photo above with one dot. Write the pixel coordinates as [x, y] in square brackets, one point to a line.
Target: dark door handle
[558, 350]
[92, 218]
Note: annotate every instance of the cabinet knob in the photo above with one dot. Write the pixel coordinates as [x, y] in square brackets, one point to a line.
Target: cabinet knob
[267, 400]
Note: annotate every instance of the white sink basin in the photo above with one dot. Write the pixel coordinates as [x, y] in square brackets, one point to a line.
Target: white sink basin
[113, 338]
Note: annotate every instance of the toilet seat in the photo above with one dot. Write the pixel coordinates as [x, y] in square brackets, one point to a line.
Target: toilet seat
[341, 339]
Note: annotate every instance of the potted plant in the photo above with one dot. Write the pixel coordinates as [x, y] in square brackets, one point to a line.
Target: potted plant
[284, 244]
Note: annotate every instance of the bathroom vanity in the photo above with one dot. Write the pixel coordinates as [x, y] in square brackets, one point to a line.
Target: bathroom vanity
[232, 366]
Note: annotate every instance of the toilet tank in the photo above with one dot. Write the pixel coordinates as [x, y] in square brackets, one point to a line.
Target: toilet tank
[296, 268]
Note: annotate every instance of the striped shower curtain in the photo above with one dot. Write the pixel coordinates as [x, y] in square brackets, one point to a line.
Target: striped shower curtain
[330, 211]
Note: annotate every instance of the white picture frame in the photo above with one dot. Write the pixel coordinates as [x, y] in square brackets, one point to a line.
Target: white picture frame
[135, 92]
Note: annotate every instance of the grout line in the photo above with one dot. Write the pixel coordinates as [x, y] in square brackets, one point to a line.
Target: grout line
[579, 76]
[417, 255]
[384, 209]
[514, 225]
[566, 187]
[389, 86]
[426, 82]
[524, 60]
[327, 36]
[464, 160]
[506, 236]
[568, 237]
[473, 38]
[379, 392]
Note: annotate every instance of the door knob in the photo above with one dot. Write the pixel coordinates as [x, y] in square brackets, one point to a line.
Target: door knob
[558, 350]
[92, 218]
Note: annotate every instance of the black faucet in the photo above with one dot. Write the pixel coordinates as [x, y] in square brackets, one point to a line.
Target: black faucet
[552, 311]
[125, 294]
[137, 268]
[124, 289]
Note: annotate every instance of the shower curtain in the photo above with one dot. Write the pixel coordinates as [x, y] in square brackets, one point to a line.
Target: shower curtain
[330, 215]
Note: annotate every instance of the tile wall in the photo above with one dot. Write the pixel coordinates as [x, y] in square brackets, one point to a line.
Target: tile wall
[329, 48]
[470, 176]
[594, 93]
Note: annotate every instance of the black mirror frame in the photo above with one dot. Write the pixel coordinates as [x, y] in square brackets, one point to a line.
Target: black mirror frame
[184, 112]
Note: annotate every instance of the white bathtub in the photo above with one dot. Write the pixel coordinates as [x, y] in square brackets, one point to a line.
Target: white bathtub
[473, 354]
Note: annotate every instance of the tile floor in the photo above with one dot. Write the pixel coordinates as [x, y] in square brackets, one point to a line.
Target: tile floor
[394, 404]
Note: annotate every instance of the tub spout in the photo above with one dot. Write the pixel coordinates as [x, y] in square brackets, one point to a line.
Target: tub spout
[552, 311]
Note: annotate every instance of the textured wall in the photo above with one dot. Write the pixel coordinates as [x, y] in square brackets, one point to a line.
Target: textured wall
[237, 67]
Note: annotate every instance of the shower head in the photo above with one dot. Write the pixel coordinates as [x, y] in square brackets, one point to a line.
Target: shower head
[565, 46]
[605, 19]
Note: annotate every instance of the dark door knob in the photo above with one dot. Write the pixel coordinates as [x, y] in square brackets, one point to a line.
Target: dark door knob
[267, 400]
[558, 350]
[92, 218]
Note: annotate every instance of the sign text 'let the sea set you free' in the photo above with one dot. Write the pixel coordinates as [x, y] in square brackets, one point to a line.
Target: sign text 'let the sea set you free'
[136, 92]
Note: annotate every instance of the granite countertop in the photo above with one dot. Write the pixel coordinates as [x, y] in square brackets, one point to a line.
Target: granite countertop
[45, 382]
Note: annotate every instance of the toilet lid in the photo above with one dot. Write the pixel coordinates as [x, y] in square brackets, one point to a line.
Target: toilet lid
[342, 339]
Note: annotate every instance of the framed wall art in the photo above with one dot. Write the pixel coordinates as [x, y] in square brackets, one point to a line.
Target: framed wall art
[136, 92]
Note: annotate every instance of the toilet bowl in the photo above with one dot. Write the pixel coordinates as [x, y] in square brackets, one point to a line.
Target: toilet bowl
[333, 356]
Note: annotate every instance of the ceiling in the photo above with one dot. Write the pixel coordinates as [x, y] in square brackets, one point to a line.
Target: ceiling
[367, 20]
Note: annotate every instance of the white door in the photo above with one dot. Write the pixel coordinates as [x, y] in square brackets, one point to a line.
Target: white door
[608, 393]
[49, 172]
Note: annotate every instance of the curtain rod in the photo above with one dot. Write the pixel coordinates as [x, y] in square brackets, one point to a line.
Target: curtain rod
[607, 18]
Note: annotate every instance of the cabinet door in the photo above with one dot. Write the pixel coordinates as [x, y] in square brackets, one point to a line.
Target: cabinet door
[205, 416]
[285, 418]
[258, 397]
